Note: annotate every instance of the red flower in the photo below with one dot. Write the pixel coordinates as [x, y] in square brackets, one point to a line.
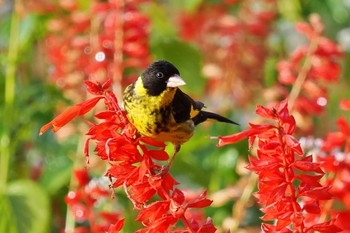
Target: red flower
[133, 165]
[280, 163]
[340, 138]
[83, 203]
[308, 70]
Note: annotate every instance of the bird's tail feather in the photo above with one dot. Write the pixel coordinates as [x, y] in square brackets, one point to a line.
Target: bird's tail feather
[203, 116]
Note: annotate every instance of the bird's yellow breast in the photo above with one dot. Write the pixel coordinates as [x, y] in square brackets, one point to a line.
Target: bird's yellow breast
[152, 115]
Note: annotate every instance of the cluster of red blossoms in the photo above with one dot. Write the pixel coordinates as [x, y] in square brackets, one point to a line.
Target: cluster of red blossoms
[309, 71]
[335, 159]
[289, 184]
[133, 166]
[83, 203]
[233, 45]
[99, 40]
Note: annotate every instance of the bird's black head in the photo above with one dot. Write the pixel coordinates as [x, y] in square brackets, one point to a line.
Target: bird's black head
[160, 75]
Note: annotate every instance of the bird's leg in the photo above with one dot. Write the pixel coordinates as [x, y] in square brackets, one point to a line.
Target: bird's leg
[176, 150]
[166, 168]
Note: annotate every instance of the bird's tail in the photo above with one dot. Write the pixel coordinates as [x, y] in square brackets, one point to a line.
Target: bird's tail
[203, 116]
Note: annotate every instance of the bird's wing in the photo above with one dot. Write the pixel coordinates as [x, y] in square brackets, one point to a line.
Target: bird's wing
[184, 107]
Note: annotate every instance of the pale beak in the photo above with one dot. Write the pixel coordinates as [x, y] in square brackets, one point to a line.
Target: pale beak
[175, 81]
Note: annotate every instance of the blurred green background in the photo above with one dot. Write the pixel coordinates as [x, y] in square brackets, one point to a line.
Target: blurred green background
[36, 172]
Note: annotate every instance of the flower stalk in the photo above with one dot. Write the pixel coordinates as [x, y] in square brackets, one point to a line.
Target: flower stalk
[279, 163]
[9, 97]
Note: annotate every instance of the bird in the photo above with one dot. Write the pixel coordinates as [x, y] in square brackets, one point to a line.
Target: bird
[157, 108]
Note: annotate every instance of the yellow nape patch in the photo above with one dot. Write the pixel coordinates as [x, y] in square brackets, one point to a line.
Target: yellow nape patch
[139, 89]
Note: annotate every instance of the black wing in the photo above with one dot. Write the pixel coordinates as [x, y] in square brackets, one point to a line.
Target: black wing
[184, 107]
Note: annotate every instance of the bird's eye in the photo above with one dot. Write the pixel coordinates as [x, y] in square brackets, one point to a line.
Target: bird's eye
[159, 75]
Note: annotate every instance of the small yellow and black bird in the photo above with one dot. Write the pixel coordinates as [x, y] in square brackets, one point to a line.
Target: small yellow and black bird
[159, 109]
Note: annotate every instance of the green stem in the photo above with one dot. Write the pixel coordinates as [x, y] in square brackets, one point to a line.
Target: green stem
[9, 96]
[77, 162]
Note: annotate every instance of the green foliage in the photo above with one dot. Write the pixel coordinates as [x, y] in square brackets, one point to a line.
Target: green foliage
[173, 50]
[26, 104]
[23, 204]
[166, 45]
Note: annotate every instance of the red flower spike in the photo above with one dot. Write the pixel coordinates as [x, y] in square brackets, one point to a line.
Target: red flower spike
[280, 161]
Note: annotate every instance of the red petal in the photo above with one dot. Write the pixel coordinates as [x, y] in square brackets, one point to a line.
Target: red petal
[343, 126]
[326, 227]
[201, 204]
[305, 28]
[117, 226]
[345, 104]
[153, 211]
[230, 139]
[168, 183]
[62, 119]
[289, 124]
[342, 220]
[312, 208]
[265, 112]
[107, 84]
[178, 196]
[142, 192]
[105, 115]
[93, 88]
[282, 108]
[160, 155]
[320, 193]
[151, 142]
[208, 227]
[268, 228]
[334, 139]
[258, 165]
[87, 105]
[293, 143]
[69, 114]
[308, 166]
[310, 180]
[82, 176]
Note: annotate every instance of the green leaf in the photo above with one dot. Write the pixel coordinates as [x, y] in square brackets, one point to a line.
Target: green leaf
[24, 208]
[270, 73]
[186, 58]
[161, 26]
[189, 5]
[290, 10]
[56, 173]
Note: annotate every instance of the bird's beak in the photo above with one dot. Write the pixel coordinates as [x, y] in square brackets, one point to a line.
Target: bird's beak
[175, 81]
